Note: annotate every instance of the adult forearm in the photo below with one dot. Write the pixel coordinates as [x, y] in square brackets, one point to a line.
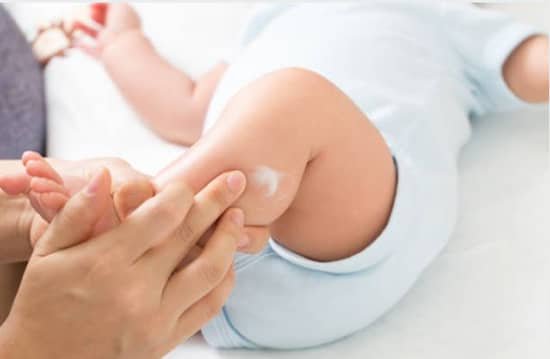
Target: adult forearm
[526, 70]
[160, 93]
[10, 277]
[13, 346]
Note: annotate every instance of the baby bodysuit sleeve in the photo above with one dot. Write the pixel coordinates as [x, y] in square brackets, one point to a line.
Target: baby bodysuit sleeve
[484, 39]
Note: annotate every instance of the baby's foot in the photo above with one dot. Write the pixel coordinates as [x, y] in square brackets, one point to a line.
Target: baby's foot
[48, 194]
[40, 183]
[46, 190]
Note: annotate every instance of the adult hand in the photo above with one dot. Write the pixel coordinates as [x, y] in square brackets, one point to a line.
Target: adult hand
[130, 188]
[125, 294]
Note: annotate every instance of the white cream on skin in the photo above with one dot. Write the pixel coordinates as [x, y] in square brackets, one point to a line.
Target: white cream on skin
[267, 178]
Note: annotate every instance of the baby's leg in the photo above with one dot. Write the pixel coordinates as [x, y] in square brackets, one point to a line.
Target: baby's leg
[318, 171]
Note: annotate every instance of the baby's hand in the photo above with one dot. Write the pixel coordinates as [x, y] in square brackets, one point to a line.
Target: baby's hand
[106, 23]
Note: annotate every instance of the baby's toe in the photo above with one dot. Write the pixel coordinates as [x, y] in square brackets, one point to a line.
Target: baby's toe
[53, 201]
[30, 156]
[47, 197]
[47, 205]
[44, 185]
[41, 168]
[14, 185]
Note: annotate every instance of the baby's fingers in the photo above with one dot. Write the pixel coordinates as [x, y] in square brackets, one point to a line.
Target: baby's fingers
[99, 12]
[88, 28]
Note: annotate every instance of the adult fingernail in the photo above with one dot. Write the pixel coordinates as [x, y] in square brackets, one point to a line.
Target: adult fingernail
[95, 183]
[244, 241]
[235, 181]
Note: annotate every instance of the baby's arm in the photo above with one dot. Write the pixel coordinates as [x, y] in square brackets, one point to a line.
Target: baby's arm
[526, 70]
[169, 101]
[505, 62]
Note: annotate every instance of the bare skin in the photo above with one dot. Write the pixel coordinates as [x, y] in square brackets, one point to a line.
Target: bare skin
[49, 184]
[526, 70]
[22, 226]
[320, 163]
[308, 168]
[171, 103]
[126, 290]
[10, 276]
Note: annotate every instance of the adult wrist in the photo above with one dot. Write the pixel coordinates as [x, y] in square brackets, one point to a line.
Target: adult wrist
[5, 345]
[12, 345]
[15, 226]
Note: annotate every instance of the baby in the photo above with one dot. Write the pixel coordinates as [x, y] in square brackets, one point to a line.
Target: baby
[348, 120]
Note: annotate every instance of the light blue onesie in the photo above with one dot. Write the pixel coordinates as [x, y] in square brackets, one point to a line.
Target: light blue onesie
[419, 70]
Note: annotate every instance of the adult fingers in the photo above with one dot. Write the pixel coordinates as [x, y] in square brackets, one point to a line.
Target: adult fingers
[193, 254]
[193, 319]
[192, 282]
[131, 195]
[123, 173]
[209, 205]
[77, 219]
[153, 222]
[254, 240]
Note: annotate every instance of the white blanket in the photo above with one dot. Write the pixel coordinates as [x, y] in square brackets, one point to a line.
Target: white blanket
[488, 294]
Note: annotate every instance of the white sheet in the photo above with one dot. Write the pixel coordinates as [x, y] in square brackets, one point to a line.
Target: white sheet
[487, 296]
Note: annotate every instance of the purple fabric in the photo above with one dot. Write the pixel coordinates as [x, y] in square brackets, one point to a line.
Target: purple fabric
[22, 104]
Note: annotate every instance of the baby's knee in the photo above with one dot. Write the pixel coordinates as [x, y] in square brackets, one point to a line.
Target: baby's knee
[291, 102]
[269, 131]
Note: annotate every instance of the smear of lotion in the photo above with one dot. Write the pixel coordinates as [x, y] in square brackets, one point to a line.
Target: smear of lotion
[267, 177]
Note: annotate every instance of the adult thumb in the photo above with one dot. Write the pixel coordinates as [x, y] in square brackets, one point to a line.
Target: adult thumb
[76, 221]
